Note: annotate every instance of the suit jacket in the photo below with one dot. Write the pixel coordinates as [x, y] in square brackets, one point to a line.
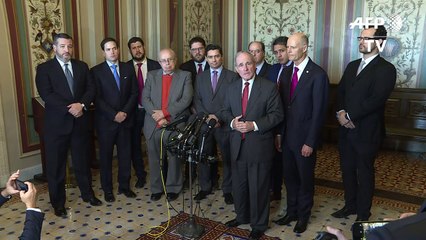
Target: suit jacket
[204, 99]
[264, 71]
[274, 70]
[264, 107]
[412, 228]
[305, 111]
[33, 223]
[180, 97]
[151, 64]
[190, 67]
[53, 88]
[364, 97]
[110, 100]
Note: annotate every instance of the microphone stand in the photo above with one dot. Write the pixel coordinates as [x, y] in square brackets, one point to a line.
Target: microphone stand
[190, 228]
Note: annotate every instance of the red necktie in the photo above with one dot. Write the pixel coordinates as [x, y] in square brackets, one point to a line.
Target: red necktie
[244, 102]
[140, 83]
[294, 81]
[200, 68]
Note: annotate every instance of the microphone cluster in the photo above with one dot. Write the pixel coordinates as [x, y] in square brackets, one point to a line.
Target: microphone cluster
[187, 140]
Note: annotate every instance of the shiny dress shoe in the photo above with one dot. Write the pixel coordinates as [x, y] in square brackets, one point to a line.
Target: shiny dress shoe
[140, 183]
[228, 198]
[343, 213]
[109, 197]
[233, 223]
[60, 212]
[172, 196]
[93, 201]
[301, 226]
[201, 195]
[128, 193]
[255, 234]
[156, 196]
[285, 220]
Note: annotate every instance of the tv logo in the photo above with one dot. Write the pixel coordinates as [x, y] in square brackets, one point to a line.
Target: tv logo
[395, 24]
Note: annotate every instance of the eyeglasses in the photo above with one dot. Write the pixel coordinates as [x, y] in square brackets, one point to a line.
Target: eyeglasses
[197, 49]
[166, 60]
[365, 38]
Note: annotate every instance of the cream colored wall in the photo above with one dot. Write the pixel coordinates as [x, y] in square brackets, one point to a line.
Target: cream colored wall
[11, 156]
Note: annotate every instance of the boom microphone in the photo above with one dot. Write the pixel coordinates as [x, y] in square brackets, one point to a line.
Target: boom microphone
[187, 130]
[194, 135]
[172, 126]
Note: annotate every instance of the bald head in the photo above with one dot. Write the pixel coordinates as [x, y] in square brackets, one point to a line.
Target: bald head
[167, 60]
[297, 47]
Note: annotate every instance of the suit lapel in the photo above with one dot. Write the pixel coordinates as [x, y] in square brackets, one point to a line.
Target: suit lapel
[256, 89]
[58, 68]
[110, 76]
[304, 78]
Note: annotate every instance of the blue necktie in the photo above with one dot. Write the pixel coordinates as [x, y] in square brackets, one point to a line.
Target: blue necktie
[117, 78]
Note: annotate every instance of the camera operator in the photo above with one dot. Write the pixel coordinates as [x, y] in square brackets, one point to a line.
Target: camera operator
[408, 226]
[34, 217]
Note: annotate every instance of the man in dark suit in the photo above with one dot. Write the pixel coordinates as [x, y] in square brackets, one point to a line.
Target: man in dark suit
[279, 48]
[363, 91]
[257, 49]
[67, 89]
[276, 75]
[252, 109]
[166, 96]
[34, 217]
[407, 226]
[142, 66]
[197, 64]
[116, 97]
[210, 89]
[305, 96]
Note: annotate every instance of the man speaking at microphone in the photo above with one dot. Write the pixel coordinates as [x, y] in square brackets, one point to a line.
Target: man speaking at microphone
[252, 109]
[210, 88]
[166, 96]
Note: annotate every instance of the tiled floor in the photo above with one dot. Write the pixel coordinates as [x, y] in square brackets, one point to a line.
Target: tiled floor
[128, 218]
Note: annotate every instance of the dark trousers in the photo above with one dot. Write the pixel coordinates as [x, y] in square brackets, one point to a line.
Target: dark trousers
[357, 166]
[250, 189]
[56, 148]
[299, 174]
[120, 137]
[137, 157]
[277, 174]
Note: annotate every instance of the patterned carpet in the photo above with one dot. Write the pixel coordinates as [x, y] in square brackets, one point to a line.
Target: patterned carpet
[212, 230]
[399, 175]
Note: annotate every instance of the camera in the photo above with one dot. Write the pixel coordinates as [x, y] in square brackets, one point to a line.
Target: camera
[325, 236]
[361, 229]
[21, 186]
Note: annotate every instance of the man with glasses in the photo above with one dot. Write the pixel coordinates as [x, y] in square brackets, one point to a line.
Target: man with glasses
[363, 91]
[210, 88]
[198, 63]
[252, 109]
[257, 49]
[166, 96]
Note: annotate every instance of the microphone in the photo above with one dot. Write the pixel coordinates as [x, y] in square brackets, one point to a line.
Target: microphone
[210, 125]
[188, 128]
[172, 126]
[194, 135]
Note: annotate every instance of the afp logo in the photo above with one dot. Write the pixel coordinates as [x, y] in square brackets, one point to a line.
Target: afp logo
[395, 24]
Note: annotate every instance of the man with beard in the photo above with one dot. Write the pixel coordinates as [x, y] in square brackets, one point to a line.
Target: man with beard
[363, 91]
[198, 63]
[142, 66]
[67, 89]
